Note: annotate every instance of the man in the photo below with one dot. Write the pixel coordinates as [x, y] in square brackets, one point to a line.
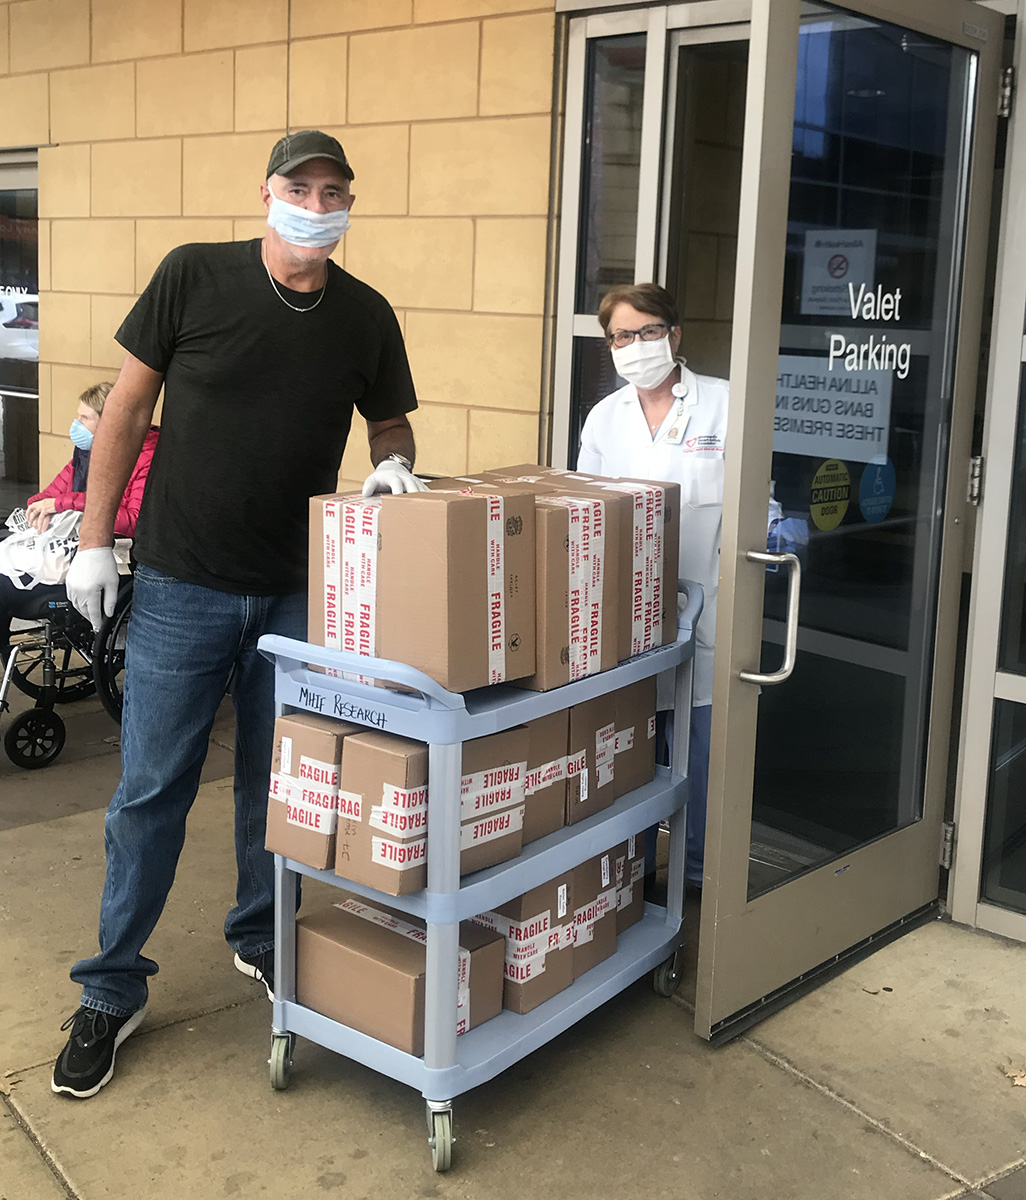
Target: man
[263, 348]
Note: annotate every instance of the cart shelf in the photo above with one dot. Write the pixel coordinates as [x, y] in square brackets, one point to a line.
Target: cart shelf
[488, 1050]
[444, 720]
[539, 861]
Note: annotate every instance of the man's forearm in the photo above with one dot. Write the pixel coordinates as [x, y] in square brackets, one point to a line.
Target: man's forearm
[119, 439]
[397, 439]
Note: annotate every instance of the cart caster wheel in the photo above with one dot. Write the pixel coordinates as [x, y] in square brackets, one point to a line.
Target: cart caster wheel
[34, 739]
[441, 1140]
[665, 979]
[280, 1061]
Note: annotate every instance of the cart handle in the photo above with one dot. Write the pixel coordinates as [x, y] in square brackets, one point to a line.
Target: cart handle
[293, 655]
[687, 618]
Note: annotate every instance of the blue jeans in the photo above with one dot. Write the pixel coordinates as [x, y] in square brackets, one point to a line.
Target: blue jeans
[187, 646]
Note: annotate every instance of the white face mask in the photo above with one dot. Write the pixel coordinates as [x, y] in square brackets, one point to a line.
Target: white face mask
[645, 364]
[300, 227]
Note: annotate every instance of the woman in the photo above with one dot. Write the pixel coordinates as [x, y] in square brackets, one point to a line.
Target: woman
[68, 491]
[668, 423]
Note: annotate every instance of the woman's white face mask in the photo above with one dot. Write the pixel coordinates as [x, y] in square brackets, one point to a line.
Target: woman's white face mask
[300, 227]
[645, 364]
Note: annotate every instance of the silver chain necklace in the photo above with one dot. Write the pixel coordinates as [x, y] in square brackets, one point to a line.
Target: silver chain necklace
[295, 307]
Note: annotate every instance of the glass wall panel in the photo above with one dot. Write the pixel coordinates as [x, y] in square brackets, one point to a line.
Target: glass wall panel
[19, 346]
[594, 377]
[1003, 879]
[1012, 655]
[862, 401]
[611, 166]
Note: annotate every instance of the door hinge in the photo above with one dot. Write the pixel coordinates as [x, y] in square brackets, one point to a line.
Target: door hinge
[947, 849]
[975, 491]
[1006, 92]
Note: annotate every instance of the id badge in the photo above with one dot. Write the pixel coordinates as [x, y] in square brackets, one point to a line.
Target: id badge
[675, 435]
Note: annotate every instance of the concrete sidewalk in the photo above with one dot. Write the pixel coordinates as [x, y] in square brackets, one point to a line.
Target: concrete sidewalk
[888, 1083]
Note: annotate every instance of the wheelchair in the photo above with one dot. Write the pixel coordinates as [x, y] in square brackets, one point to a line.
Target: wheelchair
[55, 660]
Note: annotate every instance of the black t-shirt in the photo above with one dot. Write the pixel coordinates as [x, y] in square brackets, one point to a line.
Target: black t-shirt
[258, 401]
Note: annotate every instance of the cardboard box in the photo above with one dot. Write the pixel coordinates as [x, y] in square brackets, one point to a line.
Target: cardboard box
[629, 871]
[444, 583]
[651, 543]
[594, 912]
[302, 804]
[456, 594]
[634, 745]
[494, 775]
[364, 966]
[382, 832]
[601, 549]
[590, 759]
[383, 807]
[578, 579]
[545, 786]
[538, 928]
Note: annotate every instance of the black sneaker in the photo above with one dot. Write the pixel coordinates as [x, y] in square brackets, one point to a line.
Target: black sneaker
[87, 1062]
[259, 967]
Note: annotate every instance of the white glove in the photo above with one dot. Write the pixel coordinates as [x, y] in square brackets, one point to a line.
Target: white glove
[392, 476]
[92, 584]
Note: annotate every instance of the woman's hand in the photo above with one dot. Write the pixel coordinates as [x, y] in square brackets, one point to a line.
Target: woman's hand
[39, 513]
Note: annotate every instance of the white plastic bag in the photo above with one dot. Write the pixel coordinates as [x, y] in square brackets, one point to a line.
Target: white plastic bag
[28, 557]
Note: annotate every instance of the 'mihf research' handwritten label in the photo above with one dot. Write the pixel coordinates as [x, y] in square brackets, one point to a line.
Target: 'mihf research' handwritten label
[831, 414]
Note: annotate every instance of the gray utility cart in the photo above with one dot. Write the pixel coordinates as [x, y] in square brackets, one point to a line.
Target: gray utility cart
[451, 1065]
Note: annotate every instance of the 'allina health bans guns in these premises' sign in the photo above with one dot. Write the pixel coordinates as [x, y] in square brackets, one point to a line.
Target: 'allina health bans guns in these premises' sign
[831, 414]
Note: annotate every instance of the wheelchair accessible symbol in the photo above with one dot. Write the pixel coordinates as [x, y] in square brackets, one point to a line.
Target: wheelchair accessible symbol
[876, 491]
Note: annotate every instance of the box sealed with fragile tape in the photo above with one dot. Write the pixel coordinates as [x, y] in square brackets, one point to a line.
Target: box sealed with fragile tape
[635, 742]
[364, 966]
[456, 585]
[591, 762]
[578, 579]
[382, 830]
[594, 912]
[492, 798]
[538, 928]
[647, 527]
[302, 804]
[546, 783]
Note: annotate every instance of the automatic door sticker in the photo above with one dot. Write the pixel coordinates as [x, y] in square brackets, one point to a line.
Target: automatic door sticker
[831, 491]
[876, 491]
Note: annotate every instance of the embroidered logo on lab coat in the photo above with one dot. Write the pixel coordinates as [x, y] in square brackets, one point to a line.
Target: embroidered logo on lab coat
[706, 441]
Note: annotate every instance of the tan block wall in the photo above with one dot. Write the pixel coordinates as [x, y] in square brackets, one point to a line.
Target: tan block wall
[154, 123]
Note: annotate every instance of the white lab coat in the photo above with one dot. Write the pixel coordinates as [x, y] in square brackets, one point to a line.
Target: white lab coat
[616, 441]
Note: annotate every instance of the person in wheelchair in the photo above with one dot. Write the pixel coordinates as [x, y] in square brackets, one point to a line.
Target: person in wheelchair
[68, 491]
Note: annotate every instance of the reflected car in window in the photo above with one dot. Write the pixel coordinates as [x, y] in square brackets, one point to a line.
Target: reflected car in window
[19, 327]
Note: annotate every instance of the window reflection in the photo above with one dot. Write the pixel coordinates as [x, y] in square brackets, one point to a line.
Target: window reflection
[611, 166]
[1003, 879]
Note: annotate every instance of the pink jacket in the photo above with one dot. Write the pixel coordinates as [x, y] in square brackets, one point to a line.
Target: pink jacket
[128, 510]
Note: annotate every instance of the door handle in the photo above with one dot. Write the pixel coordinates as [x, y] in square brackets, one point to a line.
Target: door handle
[794, 589]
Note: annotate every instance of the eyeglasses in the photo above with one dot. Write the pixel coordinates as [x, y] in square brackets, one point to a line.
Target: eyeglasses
[648, 333]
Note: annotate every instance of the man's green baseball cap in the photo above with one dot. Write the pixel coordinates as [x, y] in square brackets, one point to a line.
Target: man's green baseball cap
[294, 149]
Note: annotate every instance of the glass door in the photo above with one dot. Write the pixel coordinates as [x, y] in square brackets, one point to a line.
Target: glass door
[861, 233]
[19, 334]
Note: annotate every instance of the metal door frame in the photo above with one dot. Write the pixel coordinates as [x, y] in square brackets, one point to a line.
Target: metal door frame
[656, 23]
[845, 902]
[985, 682]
